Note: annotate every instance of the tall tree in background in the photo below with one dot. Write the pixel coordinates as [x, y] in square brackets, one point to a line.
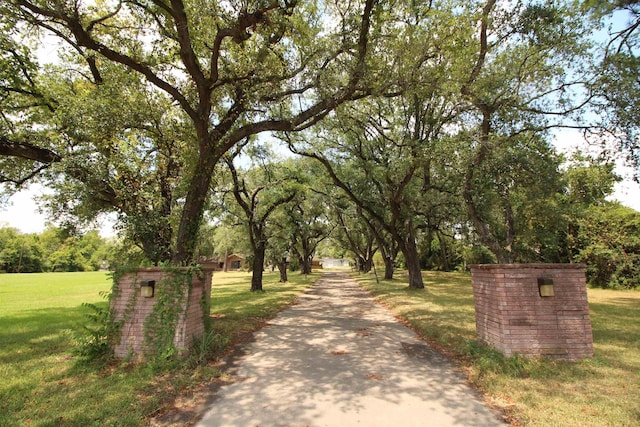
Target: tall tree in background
[521, 81]
[279, 246]
[352, 233]
[309, 225]
[378, 171]
[20, 253]
[380, 154]
[516, 195]
[616, 88]
[259, 192]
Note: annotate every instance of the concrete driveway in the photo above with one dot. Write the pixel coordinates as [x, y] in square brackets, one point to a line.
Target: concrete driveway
[337, 358]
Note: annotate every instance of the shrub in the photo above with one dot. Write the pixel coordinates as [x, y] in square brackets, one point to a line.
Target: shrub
[609, 238]
[94, 340]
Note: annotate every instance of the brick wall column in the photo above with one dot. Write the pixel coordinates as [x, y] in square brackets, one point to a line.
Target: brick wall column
[129, 305]
[513, 317]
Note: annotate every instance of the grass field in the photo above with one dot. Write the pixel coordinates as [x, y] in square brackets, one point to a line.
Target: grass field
[603, 391]
[43, 383]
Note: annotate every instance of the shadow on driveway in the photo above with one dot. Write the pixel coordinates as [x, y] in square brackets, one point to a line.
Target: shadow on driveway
[337, 358]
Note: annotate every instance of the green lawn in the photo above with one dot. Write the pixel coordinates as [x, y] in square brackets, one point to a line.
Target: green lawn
[43, 383]
[603, 391]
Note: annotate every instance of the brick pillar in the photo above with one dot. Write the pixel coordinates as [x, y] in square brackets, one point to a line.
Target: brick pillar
[513, 317]
[129, 305]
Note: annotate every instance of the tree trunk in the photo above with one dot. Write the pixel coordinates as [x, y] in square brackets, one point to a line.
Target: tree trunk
[413, 267]
[410, 252]
[364, 264]
[258, 268]
[428, 249]
[194, 209]
[388, 268]
[445, 257]
[367, 265]
[282, 267]
[481, 227]
[306, 265]
[305, 257]
[389, 254]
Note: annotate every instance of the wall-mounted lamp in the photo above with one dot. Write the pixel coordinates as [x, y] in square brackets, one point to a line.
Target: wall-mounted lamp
[147, 288]
[545, 286]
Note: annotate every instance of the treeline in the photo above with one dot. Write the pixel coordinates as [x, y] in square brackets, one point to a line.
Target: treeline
[604, 237]
[289, 210]
[55, 249]
[578, 224]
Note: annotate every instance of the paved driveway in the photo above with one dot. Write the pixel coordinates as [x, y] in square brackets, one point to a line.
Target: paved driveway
[339, 359]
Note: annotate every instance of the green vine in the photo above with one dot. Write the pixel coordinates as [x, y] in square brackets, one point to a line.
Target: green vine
[172, 298]
[205, 305]
[98, 339]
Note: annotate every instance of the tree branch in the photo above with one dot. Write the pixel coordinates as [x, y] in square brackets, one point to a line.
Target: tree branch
[475, 72]
[27, 151]
[84, 38]
[238, 33]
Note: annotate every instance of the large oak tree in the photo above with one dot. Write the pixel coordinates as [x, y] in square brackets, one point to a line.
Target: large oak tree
[230, 69]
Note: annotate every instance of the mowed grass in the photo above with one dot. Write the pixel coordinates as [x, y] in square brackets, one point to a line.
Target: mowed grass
[44, 384]
[237, 313]
[603, 391]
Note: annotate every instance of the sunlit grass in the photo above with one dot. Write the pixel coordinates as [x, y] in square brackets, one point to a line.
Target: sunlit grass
[603, 391]
[43, 384]
[237, 311]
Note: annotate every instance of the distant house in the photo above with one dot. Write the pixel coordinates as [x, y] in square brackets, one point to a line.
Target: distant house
[233, 262]
[334, 262]
[217, 264]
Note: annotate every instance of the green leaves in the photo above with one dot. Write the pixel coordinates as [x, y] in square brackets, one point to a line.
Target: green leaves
[608, 240]
[52, 250]
[147, 97]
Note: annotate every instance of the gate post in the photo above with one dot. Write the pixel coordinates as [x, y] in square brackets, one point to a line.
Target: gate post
[135, 298]
[533, 309]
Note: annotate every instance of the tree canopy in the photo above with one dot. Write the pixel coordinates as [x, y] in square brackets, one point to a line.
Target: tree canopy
[431, 121]
[221, 71]
[55, 249]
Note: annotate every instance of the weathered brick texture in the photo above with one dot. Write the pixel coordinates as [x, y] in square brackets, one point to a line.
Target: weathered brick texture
[129, 305]
[512, 317]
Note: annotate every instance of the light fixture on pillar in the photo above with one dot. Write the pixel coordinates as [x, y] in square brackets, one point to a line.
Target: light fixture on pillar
[545, 286]
[147, 288]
